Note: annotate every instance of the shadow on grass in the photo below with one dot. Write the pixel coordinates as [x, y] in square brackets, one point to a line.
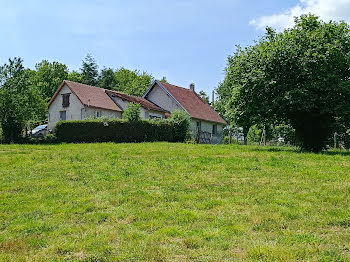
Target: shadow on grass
[335, 153]
[299, 151]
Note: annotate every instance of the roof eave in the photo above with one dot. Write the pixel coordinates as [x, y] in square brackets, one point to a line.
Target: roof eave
[211, 121]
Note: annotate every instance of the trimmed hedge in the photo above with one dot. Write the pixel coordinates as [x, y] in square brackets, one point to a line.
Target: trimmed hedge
[116, 130]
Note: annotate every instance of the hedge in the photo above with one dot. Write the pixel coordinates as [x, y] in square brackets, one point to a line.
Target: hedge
[116, 130]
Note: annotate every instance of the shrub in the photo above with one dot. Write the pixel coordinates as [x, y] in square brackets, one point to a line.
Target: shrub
[11, 130]
[133, 112]
[48, 139]
[116, 130]
[181, 122]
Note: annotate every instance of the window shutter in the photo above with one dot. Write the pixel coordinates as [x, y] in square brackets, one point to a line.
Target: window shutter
[65, 100]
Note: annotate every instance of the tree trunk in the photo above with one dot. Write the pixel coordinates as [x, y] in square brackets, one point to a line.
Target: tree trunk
[245, 134]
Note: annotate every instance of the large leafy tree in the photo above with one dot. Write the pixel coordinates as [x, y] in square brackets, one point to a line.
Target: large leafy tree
[132, 82]
[233, 101]
[21, 102]
[106, 78]
[89, 71]
[49, 76]
[75, 76]
[299, 77]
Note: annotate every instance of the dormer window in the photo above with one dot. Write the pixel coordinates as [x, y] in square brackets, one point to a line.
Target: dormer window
[65, 100]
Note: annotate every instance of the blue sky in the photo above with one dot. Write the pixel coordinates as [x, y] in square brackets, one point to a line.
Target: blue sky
[186, 41]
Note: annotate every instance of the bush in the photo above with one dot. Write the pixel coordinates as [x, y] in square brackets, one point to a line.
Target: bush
[48, 139]
[116, 130]
[133, 112]
[181, 122]
[11, 130]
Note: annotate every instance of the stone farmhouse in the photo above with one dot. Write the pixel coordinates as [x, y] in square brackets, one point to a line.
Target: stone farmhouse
[75, 101]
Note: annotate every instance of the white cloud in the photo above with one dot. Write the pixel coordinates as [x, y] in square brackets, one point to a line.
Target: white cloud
[326, 9]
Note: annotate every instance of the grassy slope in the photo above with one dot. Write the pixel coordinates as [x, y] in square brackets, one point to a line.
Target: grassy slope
[172, 202]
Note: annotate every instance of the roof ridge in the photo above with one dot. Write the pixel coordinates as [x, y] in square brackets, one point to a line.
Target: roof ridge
[114, 91]
[176, 86]
[73, 82]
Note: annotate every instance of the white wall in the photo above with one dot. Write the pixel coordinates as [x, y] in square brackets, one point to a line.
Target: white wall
[73, 112]
[90, 112]
[158, 96]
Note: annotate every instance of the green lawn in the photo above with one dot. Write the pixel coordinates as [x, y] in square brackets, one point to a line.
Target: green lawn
[172, 202]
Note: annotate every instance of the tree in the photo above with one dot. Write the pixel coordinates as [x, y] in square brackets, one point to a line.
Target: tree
[204, 96]
[106, 79]
[75, 77]
[132, 82]
[89, 71]
[49, 76]
[21, 102]
[164, 80]
[298, 77]
[133, 112]
[181, 122]
[231, 103]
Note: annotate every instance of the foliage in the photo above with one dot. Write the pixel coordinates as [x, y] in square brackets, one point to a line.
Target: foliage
[75, 76]
[48, 77]
[164, 80]
[159, 200]
[181, 123]
[132, 82]
[116, 130]
[20, 100]
[133, 112]
[299, 77]
[254, 134]
[284, 132]
[106, 79]
[89, 71]
[48, 139]
[204, 96]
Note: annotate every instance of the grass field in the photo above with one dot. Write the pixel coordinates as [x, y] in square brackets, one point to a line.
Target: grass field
[172, 202]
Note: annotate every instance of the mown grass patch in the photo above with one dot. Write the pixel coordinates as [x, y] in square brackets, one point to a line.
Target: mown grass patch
[172, 202]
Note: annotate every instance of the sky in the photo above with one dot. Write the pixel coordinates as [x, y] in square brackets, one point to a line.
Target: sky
[184, 40]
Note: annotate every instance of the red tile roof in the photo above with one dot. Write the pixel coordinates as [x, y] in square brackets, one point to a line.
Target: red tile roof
[138, 100]
[89, 95]
[193, 104]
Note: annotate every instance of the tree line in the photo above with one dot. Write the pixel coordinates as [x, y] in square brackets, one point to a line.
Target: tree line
[298, 78]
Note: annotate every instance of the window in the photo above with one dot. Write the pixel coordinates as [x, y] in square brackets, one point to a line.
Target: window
[98, 113]
[154, 117]
[82, 113]
[215, 129]
[199, 126]
[65, 100]
[63, 115]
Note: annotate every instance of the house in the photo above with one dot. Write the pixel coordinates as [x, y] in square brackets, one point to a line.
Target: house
[204, 119]
[75, 101]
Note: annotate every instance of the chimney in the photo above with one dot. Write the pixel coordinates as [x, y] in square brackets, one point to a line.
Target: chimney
[192, 87]
[213, 97]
